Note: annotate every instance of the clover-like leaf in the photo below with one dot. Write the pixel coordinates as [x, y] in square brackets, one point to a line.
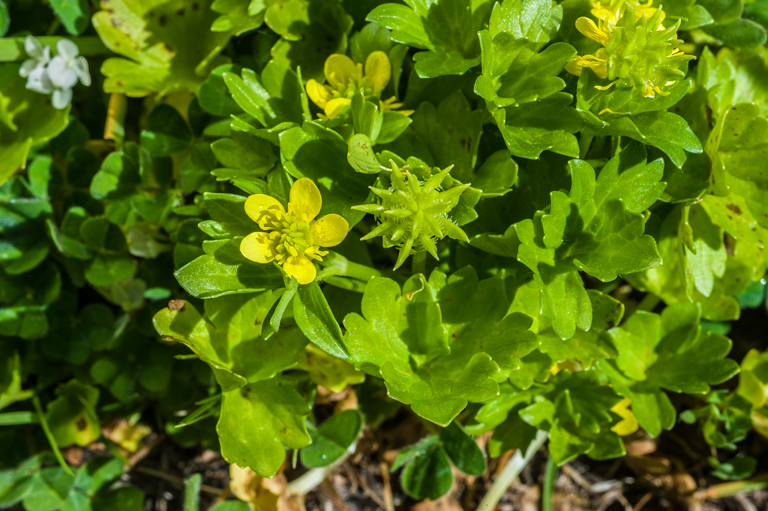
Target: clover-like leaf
[258, 421]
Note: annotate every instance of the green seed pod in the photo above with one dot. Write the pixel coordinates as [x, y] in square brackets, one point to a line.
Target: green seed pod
[413, 214]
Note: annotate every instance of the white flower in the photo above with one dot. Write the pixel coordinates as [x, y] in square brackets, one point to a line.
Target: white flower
[34, 68]
[55, 75]
[66, 67]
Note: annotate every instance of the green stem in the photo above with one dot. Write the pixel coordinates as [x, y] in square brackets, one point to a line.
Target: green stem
[312, 479]
[584, 142]
[648, 303]
[335, 264]
[12, 48]
[550, 474]
[49, 435]
[510, 473]
[419, 263]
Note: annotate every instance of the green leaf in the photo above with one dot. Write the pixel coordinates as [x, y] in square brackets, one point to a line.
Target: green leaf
[589, 229]
[73, 14]
[10, 379]
[320, 154]
[590, 346]
[428, 475]
[331, 439]
[28, 119]
[315, 319]
[462, 450]
[229, 339]
[311, 31]
[238, 16]
[5, 19]
[245, 153]
[665, 130]
[155, 39]
[228, 216]
[667, 351]
[118, 176]
[274, 98]
[514, 72]
[736, 148]
[213, 96]
[451, 132]
[108, 269]
[166, 132]
[258, 421]
[225, 271]
[126, 498]
[72, 415]
[545, 125]
[734, 469]
[741, 33]
[446, 28]
[361, 156]
[332, 373]
[438, 344]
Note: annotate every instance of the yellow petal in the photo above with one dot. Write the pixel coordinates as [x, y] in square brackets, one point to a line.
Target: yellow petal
[264, 210]
[335, 106]
[329, 230]
[318, 93]
[575, 65]
[587, 27]
[628, 424]
[339, 69]
[378, 70]
[301, 269]
[259, 247]
[305, 200]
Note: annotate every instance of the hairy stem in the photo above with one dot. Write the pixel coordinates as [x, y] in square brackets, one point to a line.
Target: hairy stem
[510, 473]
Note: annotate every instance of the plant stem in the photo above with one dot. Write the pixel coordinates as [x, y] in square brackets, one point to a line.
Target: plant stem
[510, 473]
[550, 474]
[337, 265]
[419, 263]
[12, 48]
[312, 479]
[49, 435]
[114, 128]
[648, 303]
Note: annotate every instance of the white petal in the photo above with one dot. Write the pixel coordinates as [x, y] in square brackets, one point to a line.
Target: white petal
[27, 67]
[33, 47]
[67, 49]
[46, 55]
[61, 98]
[81, 68]
[61, 74]
[38, 81]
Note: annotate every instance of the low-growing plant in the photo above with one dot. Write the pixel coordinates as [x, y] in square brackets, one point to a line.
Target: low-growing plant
[523, 219]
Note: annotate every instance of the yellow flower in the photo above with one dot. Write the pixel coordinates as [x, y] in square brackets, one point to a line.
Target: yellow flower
[611, 11]
[637, 50]
[628, 424]
[292, 239]
[344, 79]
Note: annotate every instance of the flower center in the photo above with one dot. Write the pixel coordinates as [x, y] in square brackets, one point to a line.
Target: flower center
[352, 87]
[294, 239]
